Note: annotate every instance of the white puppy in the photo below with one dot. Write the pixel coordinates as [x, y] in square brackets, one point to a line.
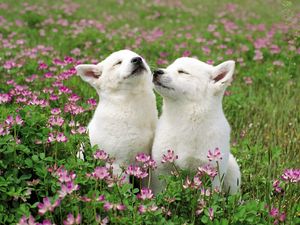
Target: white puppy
[193, 121]
[125, 119]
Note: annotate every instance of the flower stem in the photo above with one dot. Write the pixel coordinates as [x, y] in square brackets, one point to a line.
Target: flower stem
[149, 178]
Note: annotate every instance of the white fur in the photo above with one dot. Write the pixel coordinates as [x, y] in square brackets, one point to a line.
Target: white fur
[192, 120]
[125, 119]
[233, 176]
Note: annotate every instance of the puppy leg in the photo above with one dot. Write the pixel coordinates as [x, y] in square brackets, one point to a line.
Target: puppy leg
[117, 171]
[216, 183]
[158, 185]
[232, 181]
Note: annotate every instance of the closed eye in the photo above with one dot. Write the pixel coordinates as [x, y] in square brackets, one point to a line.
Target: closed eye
[182, 71]
[118, 63]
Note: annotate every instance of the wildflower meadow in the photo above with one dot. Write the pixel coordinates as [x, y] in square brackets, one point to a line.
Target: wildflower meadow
[50, 174]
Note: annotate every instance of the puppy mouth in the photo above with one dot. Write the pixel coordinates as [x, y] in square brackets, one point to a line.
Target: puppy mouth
[137, 71]
[157, 83]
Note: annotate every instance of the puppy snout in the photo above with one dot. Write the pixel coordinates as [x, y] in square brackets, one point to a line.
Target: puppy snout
[137, 60]
[158, 73]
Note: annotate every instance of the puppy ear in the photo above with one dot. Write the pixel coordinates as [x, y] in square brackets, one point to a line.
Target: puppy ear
[222, 74]
[89, 72]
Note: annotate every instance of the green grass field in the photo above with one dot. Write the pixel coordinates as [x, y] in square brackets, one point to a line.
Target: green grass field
[262, 104]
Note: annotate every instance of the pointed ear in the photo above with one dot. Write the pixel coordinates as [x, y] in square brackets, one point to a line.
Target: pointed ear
[222, 74]
[89, 72]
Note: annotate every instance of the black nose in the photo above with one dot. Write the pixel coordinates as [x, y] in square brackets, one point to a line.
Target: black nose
[157, 73]
[137, 60]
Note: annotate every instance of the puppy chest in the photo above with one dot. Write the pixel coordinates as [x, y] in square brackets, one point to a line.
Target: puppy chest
[191, 161]
[118, 133]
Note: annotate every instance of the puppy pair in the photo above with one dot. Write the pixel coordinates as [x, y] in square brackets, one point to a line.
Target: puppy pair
[192, 121]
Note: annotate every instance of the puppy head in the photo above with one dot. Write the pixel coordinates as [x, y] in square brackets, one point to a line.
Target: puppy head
[122, 70]
[192, 80]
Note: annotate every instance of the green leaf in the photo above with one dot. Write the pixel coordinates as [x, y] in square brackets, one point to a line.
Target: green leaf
[35, 158]
[136, 190]
[224, 221]
[42, 155]
[204, 219]
[3, 182]
[28, 162]
[23, 148]
[23, 210]
[25, 177]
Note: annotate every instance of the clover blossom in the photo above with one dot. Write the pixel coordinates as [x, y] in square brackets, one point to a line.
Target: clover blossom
[136, 171]
[169, 157]
[100, 154]
[47, 206]
[72, 220]
[215, 155]
[108, 206]
[145, 193]
[291, 175]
